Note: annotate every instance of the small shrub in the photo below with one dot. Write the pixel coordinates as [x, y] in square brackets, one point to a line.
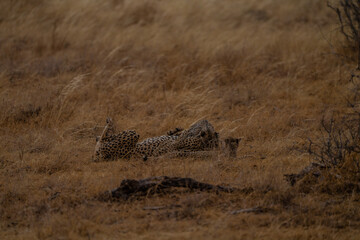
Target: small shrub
[348, 12]
[338, 144]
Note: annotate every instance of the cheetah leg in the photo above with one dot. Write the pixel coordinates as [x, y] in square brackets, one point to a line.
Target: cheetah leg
[108, 130]
[175, 132]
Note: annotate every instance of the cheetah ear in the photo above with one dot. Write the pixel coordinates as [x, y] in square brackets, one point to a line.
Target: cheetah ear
[108, 120]
[97, 138]
[237, 140]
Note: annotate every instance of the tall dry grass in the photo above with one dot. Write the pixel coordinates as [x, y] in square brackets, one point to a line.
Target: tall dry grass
[260, 70]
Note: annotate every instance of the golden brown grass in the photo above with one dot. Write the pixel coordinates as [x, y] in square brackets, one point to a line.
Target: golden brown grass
[260, 70]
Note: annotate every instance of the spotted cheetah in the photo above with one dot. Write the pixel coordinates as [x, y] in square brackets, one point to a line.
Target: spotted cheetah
[227, 148]
[230, 146]
[110, 146]
[200, 136]
[153, 147]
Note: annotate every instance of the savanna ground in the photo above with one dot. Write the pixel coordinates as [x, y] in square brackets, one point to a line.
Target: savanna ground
[261, 70]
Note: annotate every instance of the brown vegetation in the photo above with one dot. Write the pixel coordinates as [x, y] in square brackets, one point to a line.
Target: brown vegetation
[262, 71]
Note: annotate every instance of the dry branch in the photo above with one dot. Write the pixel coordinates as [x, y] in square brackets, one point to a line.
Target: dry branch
[348, 13]
[249, 210]
[152, 185]
[340, 139]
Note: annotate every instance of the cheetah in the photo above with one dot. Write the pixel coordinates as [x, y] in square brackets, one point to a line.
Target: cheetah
[227, 148]
[154, 147]
[201, 136]
[110, 146]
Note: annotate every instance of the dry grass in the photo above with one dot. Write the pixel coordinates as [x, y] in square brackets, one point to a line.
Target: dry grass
[260, 70]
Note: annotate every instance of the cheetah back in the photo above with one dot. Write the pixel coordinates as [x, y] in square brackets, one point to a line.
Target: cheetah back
[200, 136]
[116, 146]
[155, 146]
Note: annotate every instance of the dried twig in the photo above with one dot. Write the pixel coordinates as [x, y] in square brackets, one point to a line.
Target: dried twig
[249, 210]
[348, 13]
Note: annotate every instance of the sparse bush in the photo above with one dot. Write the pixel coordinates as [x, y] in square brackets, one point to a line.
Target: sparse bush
[348, 12]
[337, 150]
[337, 159]
[339, 142]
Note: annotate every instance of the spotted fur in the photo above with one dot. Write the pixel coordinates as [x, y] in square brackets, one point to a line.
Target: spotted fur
[155, 146]
[227, 148]
[201, 136]
[110, 146]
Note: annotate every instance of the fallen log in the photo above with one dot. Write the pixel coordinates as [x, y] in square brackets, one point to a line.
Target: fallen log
[249, 210]
[152, 185]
